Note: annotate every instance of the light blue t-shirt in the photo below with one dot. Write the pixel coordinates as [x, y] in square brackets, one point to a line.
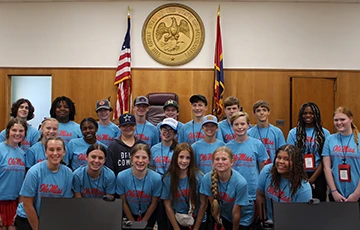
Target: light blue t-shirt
[106, 134]
[226, 130]
[283, 195]
[230, 193]
[310, 143]
[148, 133]
[32, 136]
[36, 154]
[247, 156]
[336, 147]
[192, 132]
[203, 154]
[68, 131]
[161, 157]
[12, 171]
[272, 137]
[93, 188]
[77, 149]
[41, 182]
[181, 201]
[138, 192]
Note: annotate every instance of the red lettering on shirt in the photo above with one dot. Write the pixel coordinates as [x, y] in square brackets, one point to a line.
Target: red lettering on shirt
[342, 149]
[104, 137]
[141, 136]
[278, 193]
[163, 159]
[198, 135]
[25, 142]
[92, 191]
[15, 161]
[63, 133]
[206, 157]
[267, 141]
[137, 193]
[50, 188]
[225, 197]
[184, 192]
[229, 137]
[242, 157]
[81, 156]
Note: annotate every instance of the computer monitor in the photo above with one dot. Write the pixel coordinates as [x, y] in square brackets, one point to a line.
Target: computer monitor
[325, 215]
[75, 214]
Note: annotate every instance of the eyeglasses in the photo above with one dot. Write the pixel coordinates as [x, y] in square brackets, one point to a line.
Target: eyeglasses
[165, 130]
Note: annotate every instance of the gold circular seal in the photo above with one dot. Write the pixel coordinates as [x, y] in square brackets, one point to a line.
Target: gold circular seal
[173, 34]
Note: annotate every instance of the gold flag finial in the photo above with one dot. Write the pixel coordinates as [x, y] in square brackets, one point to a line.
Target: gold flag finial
[128, 10]
[219, 10]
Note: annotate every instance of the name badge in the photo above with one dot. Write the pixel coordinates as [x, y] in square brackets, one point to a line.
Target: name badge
[344, 173]
[309, 161]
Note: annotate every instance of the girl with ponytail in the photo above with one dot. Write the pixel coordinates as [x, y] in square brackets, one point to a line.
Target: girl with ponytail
[341, 158]
[227, 192]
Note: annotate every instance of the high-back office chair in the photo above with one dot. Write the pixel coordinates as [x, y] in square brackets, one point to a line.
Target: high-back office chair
[157, 101]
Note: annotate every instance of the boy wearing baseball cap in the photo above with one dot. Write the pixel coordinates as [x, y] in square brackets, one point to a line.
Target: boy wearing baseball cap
[107, 130]
[205, 147]
[144, 130]
[192, 131]
[171, 110]
[118, 153]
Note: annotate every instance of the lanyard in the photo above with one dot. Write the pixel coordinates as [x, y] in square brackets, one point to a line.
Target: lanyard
[142, 189]
[342, 147]
[226, 188]
[162, 156]
[281, 191]
[182, 194]
[267, 135]
[193, 128]
[142, 131]
[230, 128]
[311, 146]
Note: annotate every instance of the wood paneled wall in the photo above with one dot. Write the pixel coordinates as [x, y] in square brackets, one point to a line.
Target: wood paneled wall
[86, 86]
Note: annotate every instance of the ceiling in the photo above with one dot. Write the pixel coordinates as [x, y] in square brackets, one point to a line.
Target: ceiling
[324, 1]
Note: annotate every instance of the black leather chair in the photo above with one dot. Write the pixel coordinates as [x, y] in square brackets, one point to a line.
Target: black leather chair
[157, 101]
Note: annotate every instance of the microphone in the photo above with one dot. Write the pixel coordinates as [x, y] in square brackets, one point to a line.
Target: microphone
[314, 201]
[108, 198]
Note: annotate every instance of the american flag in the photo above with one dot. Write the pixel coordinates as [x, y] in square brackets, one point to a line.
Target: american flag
[123, 76]
[219, 86]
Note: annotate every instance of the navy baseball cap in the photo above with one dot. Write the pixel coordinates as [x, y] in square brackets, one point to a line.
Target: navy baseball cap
[198, 97]
[103, 104]
[141, 100]
[127, 119]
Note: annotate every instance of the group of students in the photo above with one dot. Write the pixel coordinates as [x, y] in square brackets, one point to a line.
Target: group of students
[200, 173]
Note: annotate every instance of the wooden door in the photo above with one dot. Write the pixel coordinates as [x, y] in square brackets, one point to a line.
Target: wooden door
[321, 91]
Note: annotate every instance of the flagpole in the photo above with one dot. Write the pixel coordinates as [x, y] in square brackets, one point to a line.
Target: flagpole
[129, 85]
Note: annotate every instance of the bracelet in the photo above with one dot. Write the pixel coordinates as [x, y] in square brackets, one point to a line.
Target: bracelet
[335, 190]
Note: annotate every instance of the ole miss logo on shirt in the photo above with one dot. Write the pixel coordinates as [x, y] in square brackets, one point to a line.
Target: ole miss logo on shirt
[164, 159]
[137, 194]
[230, 137]
[104, 137]
[267, 141]
[141, 136]
[92, 192]
[16, 161]
[81, 156]
[278, 193]
[342, 149]
[50, 188]
[197, 135]
[242, 157]
[63, 133]
[225, 197]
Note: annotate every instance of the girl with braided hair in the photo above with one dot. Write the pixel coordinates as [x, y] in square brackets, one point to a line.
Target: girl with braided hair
[283, 181]
[227, 192]
[181, 185]
[309, 136]
[341, 158]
